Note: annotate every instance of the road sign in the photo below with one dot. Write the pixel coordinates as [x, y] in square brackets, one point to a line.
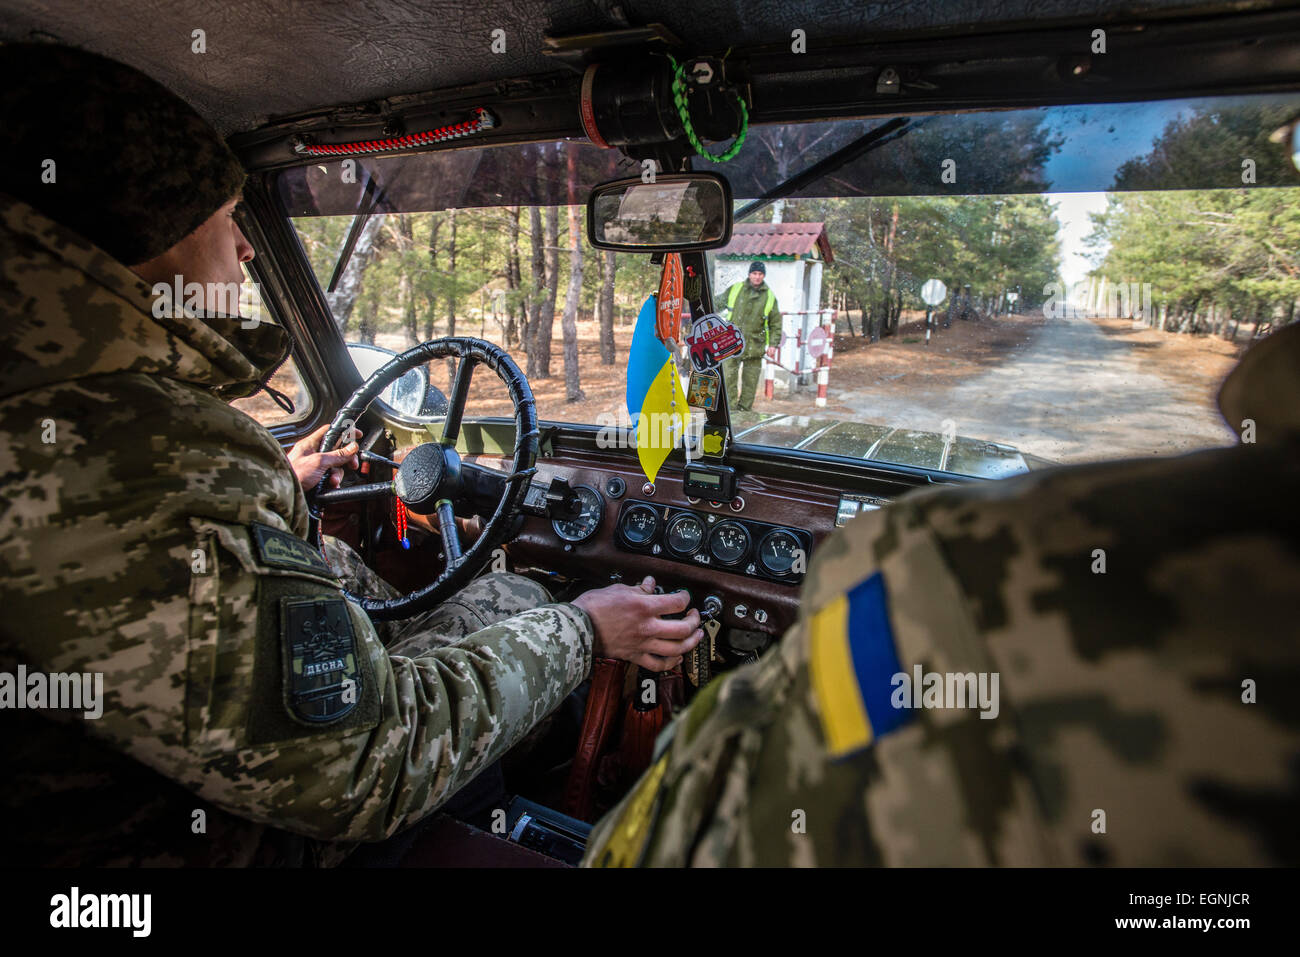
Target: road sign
[817, 339]
[933, 292]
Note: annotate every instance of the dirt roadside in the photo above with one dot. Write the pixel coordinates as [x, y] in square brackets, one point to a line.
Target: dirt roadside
[1069, 390]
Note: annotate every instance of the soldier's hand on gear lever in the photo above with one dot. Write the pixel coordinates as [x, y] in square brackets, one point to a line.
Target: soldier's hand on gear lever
[309, 464]
[628, 624]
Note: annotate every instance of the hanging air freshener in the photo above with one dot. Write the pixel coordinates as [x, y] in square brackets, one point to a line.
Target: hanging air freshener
[668, 315]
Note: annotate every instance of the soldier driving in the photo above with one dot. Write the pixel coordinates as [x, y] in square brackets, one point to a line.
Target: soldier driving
[153, 534]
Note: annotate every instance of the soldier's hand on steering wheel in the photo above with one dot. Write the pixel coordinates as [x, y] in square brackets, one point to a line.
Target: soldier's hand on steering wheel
[310, 465]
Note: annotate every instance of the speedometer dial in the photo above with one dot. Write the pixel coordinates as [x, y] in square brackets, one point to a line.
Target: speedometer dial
[729, 543]
[640, 522]
[777, 551]
[685, 533]
[588, 521]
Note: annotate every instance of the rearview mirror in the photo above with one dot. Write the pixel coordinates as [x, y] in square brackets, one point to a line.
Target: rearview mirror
[678, 212]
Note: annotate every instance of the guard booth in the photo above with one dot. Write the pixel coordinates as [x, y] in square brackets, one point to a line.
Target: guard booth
[794, 255]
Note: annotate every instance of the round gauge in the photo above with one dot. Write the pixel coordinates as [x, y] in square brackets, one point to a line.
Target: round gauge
[685, 532]
[777, 551]
[640, 522]
[728, 543]
[588, 521]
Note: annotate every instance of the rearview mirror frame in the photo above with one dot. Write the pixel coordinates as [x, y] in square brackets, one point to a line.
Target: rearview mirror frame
[622, 185]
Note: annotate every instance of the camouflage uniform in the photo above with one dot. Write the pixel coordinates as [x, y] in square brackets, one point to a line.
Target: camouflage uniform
[760, 323]
[1127, 693]
[153, 533]
[484, 601]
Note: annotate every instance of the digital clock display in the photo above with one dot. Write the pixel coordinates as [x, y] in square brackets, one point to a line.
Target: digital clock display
[716, 484]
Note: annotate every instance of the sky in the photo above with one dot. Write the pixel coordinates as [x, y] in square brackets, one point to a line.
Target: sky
[1098, 139]
[1072, 211]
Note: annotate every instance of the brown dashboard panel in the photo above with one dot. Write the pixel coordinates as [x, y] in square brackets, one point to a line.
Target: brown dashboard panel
[600, 559]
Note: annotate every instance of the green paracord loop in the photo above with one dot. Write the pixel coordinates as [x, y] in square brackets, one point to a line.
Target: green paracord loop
[679, 98]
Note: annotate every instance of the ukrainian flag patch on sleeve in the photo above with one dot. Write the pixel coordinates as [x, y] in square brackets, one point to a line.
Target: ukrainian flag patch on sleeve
[853, 663]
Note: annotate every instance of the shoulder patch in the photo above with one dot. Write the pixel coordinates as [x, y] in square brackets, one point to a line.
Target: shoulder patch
[853, 661]
[283, 550]
[626, 843]
[322, 677]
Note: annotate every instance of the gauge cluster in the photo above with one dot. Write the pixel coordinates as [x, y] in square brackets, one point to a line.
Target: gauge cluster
[700, 538]
[587, 523]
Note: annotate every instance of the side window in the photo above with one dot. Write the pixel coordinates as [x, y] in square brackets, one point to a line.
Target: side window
[287, 379]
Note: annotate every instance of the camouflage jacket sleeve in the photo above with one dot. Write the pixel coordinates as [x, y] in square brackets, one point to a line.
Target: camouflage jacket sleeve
[745, 779]
[1128, 723]
[171, 561]
[415, 730]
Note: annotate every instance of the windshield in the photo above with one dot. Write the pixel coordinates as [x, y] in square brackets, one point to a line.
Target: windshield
[981, 293]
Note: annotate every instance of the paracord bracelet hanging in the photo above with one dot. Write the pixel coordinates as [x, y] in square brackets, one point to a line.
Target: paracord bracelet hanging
[679, 98]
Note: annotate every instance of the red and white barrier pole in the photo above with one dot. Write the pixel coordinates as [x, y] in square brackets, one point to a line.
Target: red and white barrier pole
[824, 360]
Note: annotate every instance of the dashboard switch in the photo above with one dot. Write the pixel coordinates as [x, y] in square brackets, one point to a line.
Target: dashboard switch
[760, 616]
[711, 608]
[741, 611]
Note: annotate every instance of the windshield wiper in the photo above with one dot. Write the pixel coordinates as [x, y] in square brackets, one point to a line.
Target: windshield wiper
[886, 132]
[369, 200]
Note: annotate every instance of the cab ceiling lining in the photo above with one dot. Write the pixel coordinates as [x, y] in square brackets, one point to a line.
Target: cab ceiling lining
[275, 58]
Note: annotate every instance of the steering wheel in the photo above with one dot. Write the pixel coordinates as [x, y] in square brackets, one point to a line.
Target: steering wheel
[433, 479]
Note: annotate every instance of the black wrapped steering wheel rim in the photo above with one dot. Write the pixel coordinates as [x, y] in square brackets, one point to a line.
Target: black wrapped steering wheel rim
[434, 474]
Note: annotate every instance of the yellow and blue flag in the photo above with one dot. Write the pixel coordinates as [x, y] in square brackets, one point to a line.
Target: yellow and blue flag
[853, 663]
[656, 398]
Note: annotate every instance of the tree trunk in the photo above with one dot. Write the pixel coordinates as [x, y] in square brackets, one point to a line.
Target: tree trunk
[369, 319]
[535, 295]
[569, 322]
[406, 286]
[608, 265]
[546, 314]
[513, 278]
[889, 320]
[451, 295]
[344, 297]
[430, 288]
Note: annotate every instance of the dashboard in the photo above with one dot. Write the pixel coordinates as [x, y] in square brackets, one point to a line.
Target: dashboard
[686, 535]
[759, 549]
[748, 553]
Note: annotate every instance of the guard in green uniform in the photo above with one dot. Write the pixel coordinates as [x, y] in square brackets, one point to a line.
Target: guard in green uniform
[751, 308]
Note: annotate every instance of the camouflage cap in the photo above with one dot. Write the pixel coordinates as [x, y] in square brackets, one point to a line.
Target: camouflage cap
[103, 149]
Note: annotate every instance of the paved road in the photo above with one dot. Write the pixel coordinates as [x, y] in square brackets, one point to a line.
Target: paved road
[1072, 394]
